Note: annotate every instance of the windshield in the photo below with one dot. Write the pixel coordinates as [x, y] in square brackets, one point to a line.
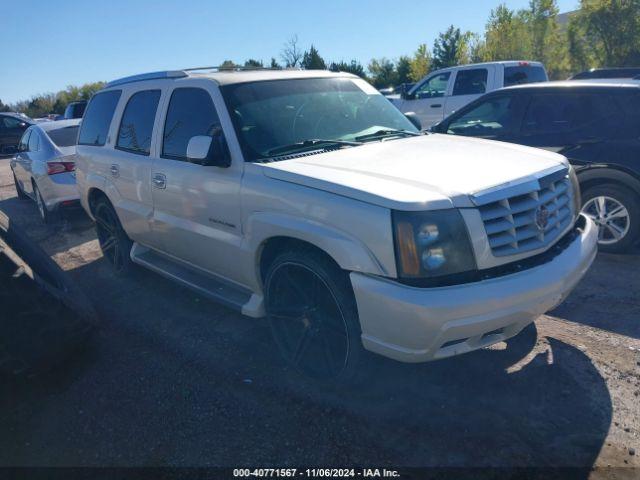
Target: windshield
[270, 116]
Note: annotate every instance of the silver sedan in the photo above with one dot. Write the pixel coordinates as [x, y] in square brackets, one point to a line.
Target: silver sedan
[44, 166]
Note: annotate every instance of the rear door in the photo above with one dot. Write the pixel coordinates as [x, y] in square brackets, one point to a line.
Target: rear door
[196, 207]
[469, 84]
[132, 161]
[428, 98]
[575, 124]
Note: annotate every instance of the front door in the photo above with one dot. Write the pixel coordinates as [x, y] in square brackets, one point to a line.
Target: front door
[196, 207]
[428, 99]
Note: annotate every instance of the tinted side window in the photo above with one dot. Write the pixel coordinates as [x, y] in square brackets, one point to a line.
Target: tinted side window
[434, 87]
[96, 122]
[494, 116]
[191, 113]
[523, 74]
[630, 104]
[23, 146]
[470, 82]
[11, 122]
[136, 125]
[34, 142]
[558, 113]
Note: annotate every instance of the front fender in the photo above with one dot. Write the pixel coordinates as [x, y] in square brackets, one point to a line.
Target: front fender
[347, 251]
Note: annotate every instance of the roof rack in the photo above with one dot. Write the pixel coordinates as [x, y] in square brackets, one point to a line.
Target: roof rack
[183, 73]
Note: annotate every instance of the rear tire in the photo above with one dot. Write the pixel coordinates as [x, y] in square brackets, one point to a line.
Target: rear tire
[313, 316]
[19, 191]
[47, 216]
[114, 242]
[616, 211]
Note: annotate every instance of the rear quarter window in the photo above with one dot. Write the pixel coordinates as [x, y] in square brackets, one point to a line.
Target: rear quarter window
[97, 118]
[524, 74]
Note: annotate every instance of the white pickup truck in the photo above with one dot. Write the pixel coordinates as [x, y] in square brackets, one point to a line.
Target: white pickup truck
[444, 91]
[307, 198]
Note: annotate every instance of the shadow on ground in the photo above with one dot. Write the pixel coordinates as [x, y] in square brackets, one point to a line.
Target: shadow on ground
[173, 379]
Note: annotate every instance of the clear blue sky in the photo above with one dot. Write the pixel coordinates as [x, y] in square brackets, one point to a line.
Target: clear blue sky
[47, 45]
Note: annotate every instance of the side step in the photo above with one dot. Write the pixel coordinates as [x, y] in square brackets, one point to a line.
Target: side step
[217, 289]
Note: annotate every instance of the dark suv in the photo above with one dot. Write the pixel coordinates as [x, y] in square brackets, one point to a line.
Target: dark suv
[75, 110]
[12, 126]
[595, 125]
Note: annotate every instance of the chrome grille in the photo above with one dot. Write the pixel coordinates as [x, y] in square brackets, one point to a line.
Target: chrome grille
[516, 224]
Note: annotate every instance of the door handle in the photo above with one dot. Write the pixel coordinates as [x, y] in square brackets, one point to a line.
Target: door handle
[160, 180]
[115, 170]
[436, 105]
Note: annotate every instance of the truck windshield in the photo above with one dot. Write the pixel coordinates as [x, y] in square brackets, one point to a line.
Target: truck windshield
[269, 116]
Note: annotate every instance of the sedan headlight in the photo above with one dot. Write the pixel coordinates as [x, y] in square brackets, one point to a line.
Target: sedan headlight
[431, 244]
[575, 186]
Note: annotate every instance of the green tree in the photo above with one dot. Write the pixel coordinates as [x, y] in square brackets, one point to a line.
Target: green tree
[403, 69]
[420, 63]
[354, 67]
[274, 63]
[382, 73]
[546, 38]
[251, 63]
[606, 33]
[228, 65]
[506, 36]
[4, 108]
[312, 60]
[451, 48]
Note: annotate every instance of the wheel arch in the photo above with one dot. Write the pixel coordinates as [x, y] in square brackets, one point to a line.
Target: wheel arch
[269, 234]
[598, 175]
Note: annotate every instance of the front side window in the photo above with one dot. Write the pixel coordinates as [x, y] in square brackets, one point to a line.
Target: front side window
[64, 137]
[494, 116]
[470, 82]
[12, 122]
[136, 126]
[191, 113]
[271, 117]
[97, 119]
[434, 87]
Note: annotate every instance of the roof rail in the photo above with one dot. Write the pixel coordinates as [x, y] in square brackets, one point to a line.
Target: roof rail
[166, 74]
[147, 76]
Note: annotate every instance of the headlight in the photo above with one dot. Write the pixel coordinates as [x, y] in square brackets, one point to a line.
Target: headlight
[431, 244]
[575, 186]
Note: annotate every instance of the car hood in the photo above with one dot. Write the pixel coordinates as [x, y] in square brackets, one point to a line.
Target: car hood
[417, 173]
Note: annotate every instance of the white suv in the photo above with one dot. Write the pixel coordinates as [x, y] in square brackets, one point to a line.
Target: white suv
[445, 91]
[306, 197]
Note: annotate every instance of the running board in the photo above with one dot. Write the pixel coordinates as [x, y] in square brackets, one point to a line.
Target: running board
[222, 291]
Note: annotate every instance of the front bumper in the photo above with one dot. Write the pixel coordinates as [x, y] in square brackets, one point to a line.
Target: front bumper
[412, 324]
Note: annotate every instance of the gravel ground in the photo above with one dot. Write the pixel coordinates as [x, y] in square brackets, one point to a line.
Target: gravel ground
[173, 379]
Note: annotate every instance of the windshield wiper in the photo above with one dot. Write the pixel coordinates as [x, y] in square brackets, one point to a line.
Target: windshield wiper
[293, 147]
[388, 132]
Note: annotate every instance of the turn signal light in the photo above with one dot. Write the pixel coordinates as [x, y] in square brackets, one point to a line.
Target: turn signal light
[409, 260]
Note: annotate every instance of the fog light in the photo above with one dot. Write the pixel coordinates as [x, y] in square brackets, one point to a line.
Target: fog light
[428, 233]
[433, 258]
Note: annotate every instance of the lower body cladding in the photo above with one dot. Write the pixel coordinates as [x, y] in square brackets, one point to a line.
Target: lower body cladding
[412, 324]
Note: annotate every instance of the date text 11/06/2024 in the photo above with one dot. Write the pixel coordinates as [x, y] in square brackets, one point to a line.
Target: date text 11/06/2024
[315, 472]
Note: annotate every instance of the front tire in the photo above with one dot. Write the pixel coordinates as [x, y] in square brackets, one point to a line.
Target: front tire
[616, 211]
[313, 316]
[114, 242]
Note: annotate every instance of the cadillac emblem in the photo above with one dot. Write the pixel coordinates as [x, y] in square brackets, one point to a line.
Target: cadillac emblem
[542, 217]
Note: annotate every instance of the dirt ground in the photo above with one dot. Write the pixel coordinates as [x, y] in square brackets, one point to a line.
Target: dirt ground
[173, 379]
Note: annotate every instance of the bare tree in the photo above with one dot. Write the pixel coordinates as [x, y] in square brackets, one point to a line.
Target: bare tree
[291, 54]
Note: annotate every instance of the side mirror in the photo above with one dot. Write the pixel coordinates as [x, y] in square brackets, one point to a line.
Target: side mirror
[413, 118]
[209, 151]
[405, 95]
